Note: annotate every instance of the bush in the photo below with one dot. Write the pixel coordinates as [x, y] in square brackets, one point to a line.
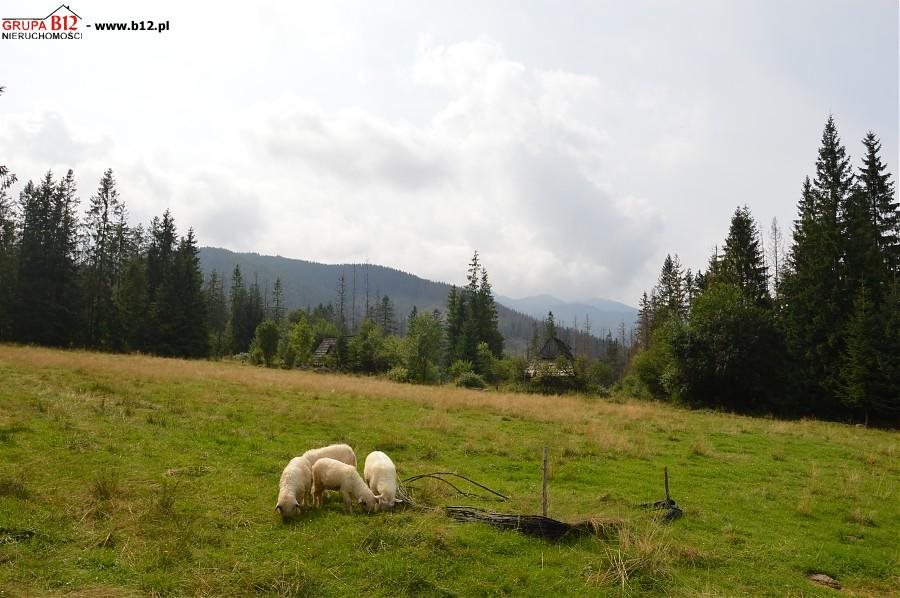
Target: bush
[398, 374]
[266, 341]
[471, 380]
[729, 355]
[460, 367]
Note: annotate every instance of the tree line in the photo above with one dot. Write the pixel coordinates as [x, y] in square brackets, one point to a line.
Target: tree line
[93, 280]
[813, 332]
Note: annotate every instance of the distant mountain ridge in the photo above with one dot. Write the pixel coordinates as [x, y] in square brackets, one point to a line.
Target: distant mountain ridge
[604, 314]
[307, 284]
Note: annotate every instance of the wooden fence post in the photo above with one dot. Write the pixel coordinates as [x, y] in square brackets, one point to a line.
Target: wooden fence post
[544, 486]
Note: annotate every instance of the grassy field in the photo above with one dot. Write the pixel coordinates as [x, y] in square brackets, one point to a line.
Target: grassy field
[128, 475]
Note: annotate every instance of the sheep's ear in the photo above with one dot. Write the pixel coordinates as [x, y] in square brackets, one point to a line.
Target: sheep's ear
[296, 503]
[397, 500]
[378, 496]
[278, 508]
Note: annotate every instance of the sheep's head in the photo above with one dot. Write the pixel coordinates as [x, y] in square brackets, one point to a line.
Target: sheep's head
[287, 507]
[384, 503]
[369, 502]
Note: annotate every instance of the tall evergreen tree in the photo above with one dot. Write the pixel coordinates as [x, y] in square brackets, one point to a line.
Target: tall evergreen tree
[277, 302]
[455, 320]
[186, 305]
[48, 302]
[160, 296]
[8, 253]
[815, 294]
[241, 333]
[550, 331]
[878, 189]
[216, 314]
[104, 236]
[743, 264]
[670, 290]
[488, 321]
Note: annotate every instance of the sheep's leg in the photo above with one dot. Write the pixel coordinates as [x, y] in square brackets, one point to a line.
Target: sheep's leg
[348, 501]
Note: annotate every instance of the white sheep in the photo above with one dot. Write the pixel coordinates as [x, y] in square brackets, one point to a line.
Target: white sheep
[331, 474]
[381, 476]
[339, 452]
[294, 487]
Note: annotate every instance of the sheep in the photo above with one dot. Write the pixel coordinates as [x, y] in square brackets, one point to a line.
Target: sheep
[381, 476]
[339, 452]
[294, 487]
[330, 474]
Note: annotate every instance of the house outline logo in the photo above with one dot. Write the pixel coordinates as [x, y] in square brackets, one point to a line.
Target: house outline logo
[61, 6]
[61, 23]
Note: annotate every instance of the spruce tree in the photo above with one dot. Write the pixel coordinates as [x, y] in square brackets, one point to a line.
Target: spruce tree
[187, 303]
[488, 322]
[240, 331]
[876, 185]
[277, 302]
[104, 236]
[216, 313]
[8, 253]
[816, 297]
[47, 302]
[859, 366]
[455, 320]
[743, 263]
[670, 290]
[160, 292]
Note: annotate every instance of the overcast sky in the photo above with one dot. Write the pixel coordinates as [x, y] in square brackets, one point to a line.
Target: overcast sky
[573, 144]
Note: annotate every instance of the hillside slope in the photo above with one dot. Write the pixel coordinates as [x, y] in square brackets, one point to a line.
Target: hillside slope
[604, 314]
[306, 284]
[130, 475]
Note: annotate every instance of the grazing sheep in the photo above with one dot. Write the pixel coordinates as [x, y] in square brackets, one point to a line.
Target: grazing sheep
[294, 487]
[330, 474]
[339, 452]
[381, 476]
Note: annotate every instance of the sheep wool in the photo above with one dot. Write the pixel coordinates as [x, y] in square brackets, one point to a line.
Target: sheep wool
[381, 476]
[339, 452]
[331, 474]
[294, 487]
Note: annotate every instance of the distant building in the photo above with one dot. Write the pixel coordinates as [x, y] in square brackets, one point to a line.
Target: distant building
[325, 347]
[554, 359]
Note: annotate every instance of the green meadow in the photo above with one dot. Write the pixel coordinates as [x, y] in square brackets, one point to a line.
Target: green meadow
[132, 475]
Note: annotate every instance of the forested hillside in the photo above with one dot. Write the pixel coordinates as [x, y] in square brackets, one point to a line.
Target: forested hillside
[307, 284]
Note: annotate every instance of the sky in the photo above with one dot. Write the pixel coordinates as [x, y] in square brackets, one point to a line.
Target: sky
[573, 144]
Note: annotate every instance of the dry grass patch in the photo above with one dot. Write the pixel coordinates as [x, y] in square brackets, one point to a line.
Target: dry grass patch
[643, 556]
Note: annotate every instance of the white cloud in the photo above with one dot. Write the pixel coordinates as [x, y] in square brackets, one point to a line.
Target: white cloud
[517, 162]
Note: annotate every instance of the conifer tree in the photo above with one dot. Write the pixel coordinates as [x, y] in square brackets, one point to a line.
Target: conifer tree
[859, 367]
[670, 290]
[104, 236]
[814, 290]
[550, 331]
[877, 187]
[8, 253]
[240, 331]
[455, 320]
[185, 305]
[277, 302]
[216, 313]
[488, 322]
[47, 301]
[743, 263]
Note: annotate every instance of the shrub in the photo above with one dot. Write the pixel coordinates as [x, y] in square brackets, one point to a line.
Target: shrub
[398, 374]
[460, 367]
[471, 380]
[266, 340]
